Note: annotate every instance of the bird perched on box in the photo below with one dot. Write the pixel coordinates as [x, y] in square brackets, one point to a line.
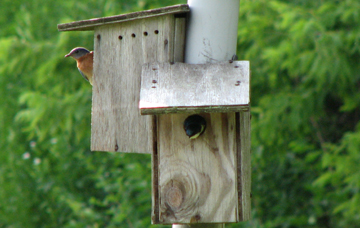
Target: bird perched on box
[194, 126]
[85, 60]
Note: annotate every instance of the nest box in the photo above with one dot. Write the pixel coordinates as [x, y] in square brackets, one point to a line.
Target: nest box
[207, 179]
[142, 94]
[122, 44]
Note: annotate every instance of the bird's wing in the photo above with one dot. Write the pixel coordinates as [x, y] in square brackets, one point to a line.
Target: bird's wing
[82, 74]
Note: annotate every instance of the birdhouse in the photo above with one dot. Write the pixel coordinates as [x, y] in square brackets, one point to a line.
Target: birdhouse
[207, 179]
[143, 97]
[122, 44]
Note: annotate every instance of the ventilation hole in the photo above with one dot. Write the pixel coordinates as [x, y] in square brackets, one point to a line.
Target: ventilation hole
[145, 33]
[120, 37]
[156, 31]
[133, 35]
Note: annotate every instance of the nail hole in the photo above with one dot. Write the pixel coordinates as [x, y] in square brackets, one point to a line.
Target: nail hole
[120, 37]
[145, 33]
[98, 37]
[154, 68]
[166, 41]
[133, 35]
[197, 217]
[236, 66]
[154, 81]
[153, 87]
[156, 31]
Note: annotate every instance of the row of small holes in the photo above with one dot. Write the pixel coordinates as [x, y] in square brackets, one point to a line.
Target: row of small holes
[134, 35]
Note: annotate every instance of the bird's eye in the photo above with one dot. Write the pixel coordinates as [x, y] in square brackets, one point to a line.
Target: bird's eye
[77, 51]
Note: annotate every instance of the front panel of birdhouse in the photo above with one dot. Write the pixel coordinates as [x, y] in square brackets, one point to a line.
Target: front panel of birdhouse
[202, 180]
[120, 51]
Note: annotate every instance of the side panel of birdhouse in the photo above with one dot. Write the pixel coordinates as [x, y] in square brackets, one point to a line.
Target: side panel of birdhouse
[120, 51]
[198, 180]
[243, 133]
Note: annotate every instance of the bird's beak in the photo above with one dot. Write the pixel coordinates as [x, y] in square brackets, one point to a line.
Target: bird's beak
[67, 55]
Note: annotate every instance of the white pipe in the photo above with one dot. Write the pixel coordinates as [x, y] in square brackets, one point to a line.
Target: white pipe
[211, 31]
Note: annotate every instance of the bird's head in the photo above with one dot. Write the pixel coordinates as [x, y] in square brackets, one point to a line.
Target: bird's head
[77, 52]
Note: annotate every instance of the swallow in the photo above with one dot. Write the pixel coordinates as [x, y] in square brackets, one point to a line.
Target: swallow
[194, 126]
[85, 60]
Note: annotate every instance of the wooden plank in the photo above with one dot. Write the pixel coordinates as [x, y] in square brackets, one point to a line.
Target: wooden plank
[181, 87]
[244, 164]
[120, 51]
[180, 31]
[197, 178]
[95, 22]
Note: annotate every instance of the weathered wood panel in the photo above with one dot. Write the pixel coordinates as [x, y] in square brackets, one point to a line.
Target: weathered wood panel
[120, 51]
[243, 134]
[90, 24]
[180, 33]
[181, 87]
[197, 178]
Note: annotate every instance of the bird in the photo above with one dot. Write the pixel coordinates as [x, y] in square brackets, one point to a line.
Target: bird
[194, 126]
[84, 59]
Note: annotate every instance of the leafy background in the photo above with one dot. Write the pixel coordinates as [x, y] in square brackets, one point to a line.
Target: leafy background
[305, 62]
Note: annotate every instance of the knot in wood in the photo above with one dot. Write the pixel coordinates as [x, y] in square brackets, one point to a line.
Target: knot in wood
[174, 193]
[174, 196]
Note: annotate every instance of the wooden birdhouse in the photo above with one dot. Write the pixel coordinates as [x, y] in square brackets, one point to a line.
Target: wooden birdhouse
[122, 44]
[142, 95]
[206, 179]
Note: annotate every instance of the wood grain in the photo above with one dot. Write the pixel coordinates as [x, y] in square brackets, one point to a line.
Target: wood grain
[244, 164]
[197, 178]
[91, 24]
[120, 51]
[181, 87]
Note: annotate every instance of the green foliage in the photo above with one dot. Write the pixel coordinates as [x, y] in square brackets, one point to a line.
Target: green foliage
[305, 87]
[305, 118]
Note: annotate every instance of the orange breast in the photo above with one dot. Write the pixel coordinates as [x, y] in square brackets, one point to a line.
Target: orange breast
[85, 64]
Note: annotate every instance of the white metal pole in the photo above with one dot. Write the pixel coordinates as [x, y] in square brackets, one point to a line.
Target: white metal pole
[211, 37]
[211, 30]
